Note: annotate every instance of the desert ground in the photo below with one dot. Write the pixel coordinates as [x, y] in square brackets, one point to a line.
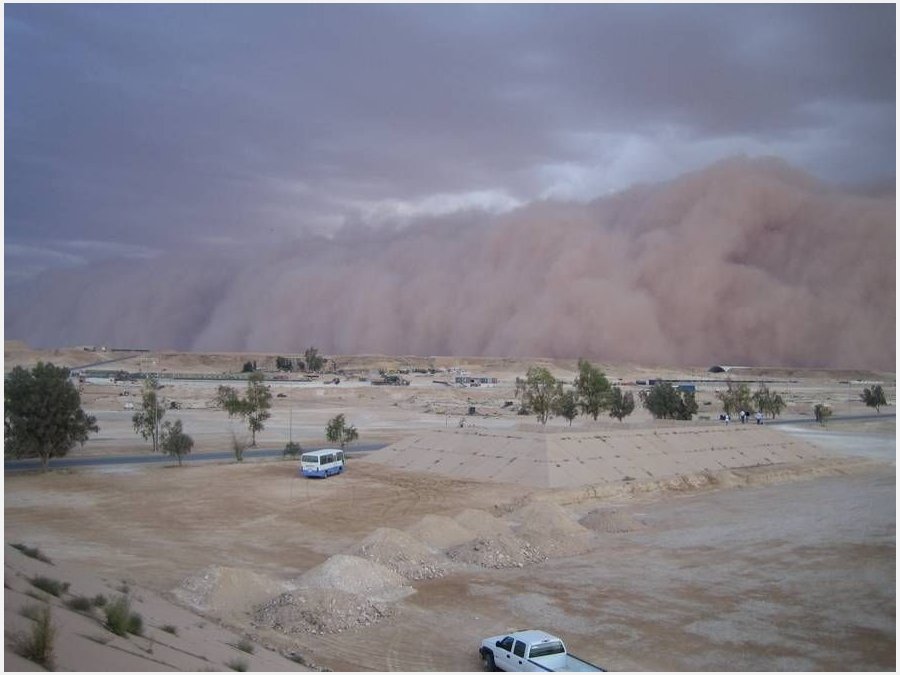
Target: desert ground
[644, 544]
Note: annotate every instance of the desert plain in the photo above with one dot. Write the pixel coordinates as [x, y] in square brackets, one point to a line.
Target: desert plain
[645, 544]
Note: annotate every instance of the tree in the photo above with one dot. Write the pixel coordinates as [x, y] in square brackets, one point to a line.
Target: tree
[566, 406]
[291, 449]
[339, 432]
[768, 402]
[174, 441]
[874, 397]
[314, 362]
[283, 363]
[540, 392]
[735, 398]
[822, 412]
[593, 389]
[665, 402]
[254, 407]
[146, 420]
[248, 367]
[620, 405]
[42, 413]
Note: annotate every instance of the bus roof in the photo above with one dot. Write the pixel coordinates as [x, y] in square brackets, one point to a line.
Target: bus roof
[323, 451]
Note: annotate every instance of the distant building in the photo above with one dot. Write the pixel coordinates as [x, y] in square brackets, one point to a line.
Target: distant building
[470, 381]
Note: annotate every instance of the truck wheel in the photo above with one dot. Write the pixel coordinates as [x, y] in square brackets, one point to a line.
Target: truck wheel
[487, 658]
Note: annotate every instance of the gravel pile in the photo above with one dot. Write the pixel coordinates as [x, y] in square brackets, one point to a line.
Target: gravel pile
[222, 590]
[611, 521]
[481, 523]
[440, 532]
[352, 574]
[499, 550]
[551, 529]
[405, 554]
[343, 592]
[319, 611]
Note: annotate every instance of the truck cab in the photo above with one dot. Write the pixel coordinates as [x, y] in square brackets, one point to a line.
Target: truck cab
[531, 651]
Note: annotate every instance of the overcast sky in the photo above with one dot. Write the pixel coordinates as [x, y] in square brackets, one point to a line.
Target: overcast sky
[136, 130]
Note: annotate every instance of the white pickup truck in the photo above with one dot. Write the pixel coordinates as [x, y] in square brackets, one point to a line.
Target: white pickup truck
[531, 651]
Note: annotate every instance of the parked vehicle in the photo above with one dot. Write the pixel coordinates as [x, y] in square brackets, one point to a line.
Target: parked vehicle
[322, 463]
[531, 651]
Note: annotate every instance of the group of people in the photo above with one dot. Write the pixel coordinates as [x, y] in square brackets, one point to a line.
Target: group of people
[744, 417]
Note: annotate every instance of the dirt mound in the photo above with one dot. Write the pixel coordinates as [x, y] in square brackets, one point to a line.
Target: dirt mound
[223, 590]
[403, 553]
[319, 610]
[611, 521]
[481, 523]
[351, 574]
[499, 550]
[551, 529]
[440, 532]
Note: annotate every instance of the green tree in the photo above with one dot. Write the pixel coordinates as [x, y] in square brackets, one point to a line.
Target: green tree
[540, 392]
[146, 421]
[822, 413]
[174, 441]
[253, 407]
[620, 405]
[665, 402]
[874, 397]
[593, 389]
[339, 432]
[735, 398]
[314, 362]
[566, 406]
[42, 413]
[768, 402]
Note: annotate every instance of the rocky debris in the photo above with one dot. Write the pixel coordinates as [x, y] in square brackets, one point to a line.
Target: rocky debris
[319, 611]
[440, 532]
[405, 554]
[499, 550]
[611, 521]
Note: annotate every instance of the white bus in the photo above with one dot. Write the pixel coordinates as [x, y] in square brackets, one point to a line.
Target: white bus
[322, 463]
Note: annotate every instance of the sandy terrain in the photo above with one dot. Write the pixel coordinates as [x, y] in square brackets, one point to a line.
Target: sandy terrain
[746, 548]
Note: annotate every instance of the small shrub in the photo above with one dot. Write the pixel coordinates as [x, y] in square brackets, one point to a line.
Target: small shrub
[99, 600]
[169, 628]
[37, 646]
[292, 449]
[48, 585]
[239, 665]
[80, 603]
[121, 620]
[124, 589]
[245, 645]
[32, 552]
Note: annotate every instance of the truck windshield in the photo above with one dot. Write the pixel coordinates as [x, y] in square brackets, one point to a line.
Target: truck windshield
[547, 649]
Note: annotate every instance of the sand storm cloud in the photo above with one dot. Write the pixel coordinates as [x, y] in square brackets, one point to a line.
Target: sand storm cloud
[746, 262]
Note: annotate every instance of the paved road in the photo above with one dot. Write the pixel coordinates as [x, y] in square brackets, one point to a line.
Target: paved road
[18, 465]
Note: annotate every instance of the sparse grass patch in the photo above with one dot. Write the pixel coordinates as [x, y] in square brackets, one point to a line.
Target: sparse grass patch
[245, 645]
[121, 620]
[37, 645]
[48, 585]
[32, 552]
[239, 665]
[169, 628]
[31, 612]
[80, 603]
[99, 600]
[124, 589]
